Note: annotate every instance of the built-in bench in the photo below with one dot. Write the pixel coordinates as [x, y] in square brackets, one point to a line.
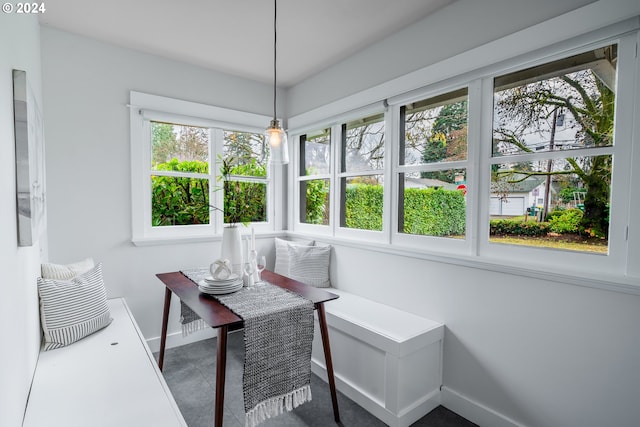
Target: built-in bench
[109, 378]
[386, 360]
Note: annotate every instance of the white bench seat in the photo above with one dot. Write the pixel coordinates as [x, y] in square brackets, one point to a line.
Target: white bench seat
[108, 379]
[387, 360]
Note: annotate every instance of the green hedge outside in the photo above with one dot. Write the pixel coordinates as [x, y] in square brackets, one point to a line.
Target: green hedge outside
[434, 212]
[426, 211]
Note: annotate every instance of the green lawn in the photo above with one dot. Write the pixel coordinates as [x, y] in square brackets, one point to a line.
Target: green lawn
[567, 242]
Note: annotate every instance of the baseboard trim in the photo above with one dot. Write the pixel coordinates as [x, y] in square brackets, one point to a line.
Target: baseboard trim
[405, 418]
[176, 339]
[474, 411]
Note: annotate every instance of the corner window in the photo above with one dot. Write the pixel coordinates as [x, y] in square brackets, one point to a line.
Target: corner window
[191, 175]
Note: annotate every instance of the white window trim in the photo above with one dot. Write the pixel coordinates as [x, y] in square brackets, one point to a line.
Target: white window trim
[435, 243]
[355, 233]
[607, 272]
[145, 107]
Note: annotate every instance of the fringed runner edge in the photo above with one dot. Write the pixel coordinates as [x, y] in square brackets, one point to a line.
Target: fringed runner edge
[190, 321]
[277, 405]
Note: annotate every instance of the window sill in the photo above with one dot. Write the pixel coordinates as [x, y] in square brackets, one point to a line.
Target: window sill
[158, 241]
[624, 284]
[177, 240]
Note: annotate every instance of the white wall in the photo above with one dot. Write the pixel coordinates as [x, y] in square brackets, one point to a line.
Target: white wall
[19, 321]
[456, 28]
[539, 353]
[86, 88]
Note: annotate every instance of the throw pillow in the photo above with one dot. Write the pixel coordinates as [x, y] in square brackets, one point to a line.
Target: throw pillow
[282, 254]
[66, 272]
[72, 309]
[310, 265]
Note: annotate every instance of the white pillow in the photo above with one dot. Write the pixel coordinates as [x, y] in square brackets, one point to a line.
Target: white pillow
[282, 254]
[72, 309]
[310, 265]
[68, 271]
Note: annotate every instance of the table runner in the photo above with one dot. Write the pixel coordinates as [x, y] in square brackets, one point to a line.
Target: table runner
[278, 332]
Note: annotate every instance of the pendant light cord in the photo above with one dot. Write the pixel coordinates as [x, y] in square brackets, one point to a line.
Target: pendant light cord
[275, 40]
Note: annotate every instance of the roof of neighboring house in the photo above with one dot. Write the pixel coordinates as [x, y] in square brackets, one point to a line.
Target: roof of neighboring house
[525, 186]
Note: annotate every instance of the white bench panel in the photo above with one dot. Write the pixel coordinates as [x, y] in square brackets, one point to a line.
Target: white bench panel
[109, 378]
[387, 360]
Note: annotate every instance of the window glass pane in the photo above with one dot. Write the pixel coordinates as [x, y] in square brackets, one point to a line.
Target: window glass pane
[562, 105]
[244, 202]
[435, 130]
[552, 203]
[362, 203]
[179, 201]
[317, 152]
[314, 197]
[433, 203]
[364, 144]
[245, 153]
[179, 147]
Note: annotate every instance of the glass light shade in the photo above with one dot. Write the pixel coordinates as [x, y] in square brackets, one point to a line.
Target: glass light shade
[278, 145]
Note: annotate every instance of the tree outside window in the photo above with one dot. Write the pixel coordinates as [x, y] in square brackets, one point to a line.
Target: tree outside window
[553, 126]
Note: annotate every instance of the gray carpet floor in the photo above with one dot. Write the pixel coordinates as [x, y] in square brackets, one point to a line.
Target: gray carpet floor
[189, 371]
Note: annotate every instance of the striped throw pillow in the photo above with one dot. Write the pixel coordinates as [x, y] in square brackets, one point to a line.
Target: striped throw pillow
[282, 254]
[310, 265]
[66, 271]
[72, 309]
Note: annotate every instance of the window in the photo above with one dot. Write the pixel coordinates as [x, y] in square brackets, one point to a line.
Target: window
[524, 162]
[191, 174]
[553, 152]
[315, 177]
[180, 174]
[243, 170]
[432, 172]
[362, 174]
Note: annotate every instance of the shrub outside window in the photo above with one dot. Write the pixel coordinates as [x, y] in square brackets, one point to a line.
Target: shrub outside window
[180, 179]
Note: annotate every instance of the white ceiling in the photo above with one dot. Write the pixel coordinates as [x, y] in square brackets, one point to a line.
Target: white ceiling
[236, 36]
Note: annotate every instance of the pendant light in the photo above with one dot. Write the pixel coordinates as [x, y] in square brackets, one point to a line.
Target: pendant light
[275, 135]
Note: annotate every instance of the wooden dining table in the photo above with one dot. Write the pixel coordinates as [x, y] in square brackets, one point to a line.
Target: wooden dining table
[216, 315]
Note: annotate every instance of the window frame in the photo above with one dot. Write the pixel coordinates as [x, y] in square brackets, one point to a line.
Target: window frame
[555, 259]
[425, 242]
[301, 177]
[476, 249]
[355, 233]
[145, 108]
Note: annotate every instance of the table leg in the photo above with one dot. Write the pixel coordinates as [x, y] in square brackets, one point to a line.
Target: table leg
[324, 332]
[221, 363]
[165, 322]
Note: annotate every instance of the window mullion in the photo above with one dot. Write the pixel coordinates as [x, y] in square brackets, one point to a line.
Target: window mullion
[217, 196]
